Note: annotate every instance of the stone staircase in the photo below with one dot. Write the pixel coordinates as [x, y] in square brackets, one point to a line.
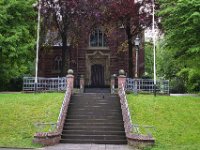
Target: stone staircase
[94, 118]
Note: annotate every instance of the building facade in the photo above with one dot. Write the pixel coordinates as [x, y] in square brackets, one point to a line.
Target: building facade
[96, 57]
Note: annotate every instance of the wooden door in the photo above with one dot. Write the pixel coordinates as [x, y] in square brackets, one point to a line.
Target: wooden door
[97, 75]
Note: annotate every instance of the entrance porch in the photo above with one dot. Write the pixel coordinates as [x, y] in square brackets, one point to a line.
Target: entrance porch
[97, 69]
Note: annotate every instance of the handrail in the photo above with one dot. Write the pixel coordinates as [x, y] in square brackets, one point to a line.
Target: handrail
[129, 126]
[53, 137]
[67, 97]
[125, 110]
[126, 103]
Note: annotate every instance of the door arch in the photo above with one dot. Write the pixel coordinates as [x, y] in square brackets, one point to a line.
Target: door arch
[96, 57]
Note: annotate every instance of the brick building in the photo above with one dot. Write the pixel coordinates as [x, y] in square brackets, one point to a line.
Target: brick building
[96, 57]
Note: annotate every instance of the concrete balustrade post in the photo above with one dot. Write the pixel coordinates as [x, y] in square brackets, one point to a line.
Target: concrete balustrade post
[121, 79]
[82, 84]
[70, 79]
[112, 83]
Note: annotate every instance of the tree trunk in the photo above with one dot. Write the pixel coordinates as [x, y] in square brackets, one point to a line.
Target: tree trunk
[65, 56]
[130, 49]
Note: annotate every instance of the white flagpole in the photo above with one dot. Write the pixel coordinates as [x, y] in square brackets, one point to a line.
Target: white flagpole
[154, 48]
[37, 49]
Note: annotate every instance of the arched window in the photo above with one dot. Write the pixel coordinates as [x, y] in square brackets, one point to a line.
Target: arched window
[97, 39]
[57, 63]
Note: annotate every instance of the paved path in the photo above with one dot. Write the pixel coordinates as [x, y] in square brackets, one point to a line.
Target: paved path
[8, 92]
[81, 147]
[88, 147]
[194, 95]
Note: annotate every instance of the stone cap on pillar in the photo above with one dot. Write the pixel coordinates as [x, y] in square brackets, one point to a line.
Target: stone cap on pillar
[113, 76]
[70, 72]
[122, 73]
[121, 78]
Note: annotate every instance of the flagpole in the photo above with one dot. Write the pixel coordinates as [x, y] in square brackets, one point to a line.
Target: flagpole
[37, 48]
[154, 47]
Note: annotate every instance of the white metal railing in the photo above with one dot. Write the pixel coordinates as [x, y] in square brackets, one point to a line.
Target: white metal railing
[45, 126]
[138, 129]
[147, 85]
[44, 84]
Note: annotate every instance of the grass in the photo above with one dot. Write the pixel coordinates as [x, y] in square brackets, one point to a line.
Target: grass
[176, 119]
[19, 113]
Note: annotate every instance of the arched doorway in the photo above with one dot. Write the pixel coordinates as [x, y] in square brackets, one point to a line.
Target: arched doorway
[97, 66]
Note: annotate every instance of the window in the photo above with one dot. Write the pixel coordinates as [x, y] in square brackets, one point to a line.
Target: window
[97, 39]
[58, 63]
[53, 38]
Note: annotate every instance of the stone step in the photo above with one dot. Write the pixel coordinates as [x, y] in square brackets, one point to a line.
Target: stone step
[93, 137]
[94, 109]
[105, 105]
[93, 121]
[93, 132]
[93, 141]
[94, 112]
[108, 124]
[96, 128]
[97, 90]
[95, 101]
[74, 106]
[112, 117]
[94, 98]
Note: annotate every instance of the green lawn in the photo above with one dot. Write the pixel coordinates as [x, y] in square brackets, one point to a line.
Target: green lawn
[19, 113]
[176, 119]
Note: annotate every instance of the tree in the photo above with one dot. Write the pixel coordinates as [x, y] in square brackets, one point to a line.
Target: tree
[72, 18]
[17, 39]
[135, 17]
[149, 59]
[62, 12]
[182, 38]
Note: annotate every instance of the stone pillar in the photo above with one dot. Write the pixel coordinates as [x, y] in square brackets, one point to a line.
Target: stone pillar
[82, 84]
[121, 79]
[70, 79]
[112, 83]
